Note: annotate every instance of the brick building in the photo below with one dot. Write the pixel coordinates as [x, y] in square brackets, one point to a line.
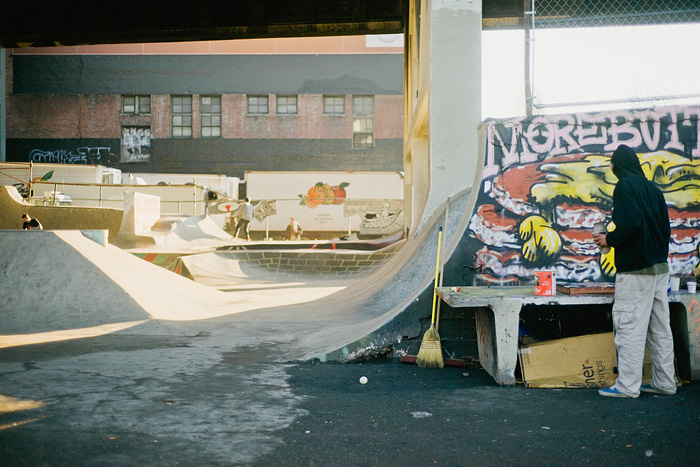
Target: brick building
[316, 104]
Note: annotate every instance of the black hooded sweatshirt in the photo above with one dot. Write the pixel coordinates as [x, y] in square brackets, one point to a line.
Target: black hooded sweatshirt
[642, 228]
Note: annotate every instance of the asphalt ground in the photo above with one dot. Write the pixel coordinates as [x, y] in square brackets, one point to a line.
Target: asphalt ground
[406, 415]
[125, 400]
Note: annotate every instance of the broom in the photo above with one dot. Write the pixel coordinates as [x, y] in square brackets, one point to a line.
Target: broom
[430, 353]
[442, 267]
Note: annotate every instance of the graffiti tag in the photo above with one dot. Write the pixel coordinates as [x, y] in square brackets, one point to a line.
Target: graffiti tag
[81, 155]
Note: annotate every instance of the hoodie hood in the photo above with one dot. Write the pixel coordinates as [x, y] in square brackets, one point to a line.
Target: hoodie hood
[625, 162]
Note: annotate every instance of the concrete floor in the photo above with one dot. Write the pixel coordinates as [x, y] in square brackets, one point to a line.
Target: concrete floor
[149, 368]
[222, 400]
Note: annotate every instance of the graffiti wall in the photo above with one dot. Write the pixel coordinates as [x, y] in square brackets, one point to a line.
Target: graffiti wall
[84, 151]
[546, 182]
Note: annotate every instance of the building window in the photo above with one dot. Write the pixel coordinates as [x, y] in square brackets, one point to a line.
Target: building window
[258, 105]
[211, 116]
[362, 132]
[334, 105]
[363, 105]
[286, 104]
[362, 122]
[138, 105]
[182, 116]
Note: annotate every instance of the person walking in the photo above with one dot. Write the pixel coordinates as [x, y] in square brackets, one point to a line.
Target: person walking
[640, 309]
[244, 214]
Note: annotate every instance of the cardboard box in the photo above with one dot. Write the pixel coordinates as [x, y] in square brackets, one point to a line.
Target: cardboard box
[577, 362]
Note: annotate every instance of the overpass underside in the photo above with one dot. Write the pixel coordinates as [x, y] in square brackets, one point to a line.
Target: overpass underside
[136, 22]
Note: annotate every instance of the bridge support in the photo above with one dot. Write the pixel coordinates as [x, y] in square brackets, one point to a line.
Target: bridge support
[442, 103]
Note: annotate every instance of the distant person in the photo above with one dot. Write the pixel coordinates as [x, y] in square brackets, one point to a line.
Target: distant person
[294, 230]
[244, 214]
[30, 224]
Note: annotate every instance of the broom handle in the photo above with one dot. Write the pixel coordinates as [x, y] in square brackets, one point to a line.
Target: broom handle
[437, 270]
[442, 268]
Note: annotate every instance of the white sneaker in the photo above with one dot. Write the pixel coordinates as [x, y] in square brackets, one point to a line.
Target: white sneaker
[653, 390]
[612, 391]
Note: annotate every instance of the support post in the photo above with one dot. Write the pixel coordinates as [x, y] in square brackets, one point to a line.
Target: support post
[497, 334]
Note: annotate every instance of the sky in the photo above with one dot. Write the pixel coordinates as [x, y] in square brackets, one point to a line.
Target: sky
[605, 68]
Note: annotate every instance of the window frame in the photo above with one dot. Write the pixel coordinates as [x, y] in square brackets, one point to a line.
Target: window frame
[211, 114]
[333, 96]
[359, 134]
[362, 110]
[257, 96]
[362, 119]
[287, 96]
[139, 102]
[181, 117]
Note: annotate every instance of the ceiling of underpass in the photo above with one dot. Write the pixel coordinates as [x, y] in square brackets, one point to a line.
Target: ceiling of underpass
[112, 22]
[127, 21]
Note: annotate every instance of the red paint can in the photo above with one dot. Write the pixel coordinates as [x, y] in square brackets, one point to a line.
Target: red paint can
[545, 283]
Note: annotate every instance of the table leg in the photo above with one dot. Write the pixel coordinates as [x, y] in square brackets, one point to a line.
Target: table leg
[497, 334]
[692, 309]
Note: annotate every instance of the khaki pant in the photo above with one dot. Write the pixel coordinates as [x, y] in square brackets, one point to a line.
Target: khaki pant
[641, 317]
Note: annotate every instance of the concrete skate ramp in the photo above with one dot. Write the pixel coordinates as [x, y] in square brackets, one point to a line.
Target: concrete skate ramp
[61, 280]
[228, 268]
[186, 233]
[384, 308]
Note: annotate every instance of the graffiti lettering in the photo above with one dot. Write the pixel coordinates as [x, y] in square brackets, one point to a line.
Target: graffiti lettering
[524, 140]
[82, 155]
[547, 181]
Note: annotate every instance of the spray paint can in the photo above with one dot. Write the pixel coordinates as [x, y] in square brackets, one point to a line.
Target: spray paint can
[599, 228]
[545, 283]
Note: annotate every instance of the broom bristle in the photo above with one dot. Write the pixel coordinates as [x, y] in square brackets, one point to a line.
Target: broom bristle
[430, 353]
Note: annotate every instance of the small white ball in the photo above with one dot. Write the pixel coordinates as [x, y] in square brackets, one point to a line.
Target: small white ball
[363, 380]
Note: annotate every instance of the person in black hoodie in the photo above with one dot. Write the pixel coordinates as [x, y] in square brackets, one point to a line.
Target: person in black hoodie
[640, 310]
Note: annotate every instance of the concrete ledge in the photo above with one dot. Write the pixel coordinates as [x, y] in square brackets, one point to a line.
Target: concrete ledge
[12, 206]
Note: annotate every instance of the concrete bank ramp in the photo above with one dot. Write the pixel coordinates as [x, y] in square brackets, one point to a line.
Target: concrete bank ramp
[61, 280]
[376, 313]
[173, 233]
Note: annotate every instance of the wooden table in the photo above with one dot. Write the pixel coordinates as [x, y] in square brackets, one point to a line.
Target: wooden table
[497, 312]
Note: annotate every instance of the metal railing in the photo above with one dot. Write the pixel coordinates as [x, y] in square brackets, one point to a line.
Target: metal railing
[174, 199]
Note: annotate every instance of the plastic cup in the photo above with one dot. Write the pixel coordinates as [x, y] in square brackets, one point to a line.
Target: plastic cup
[692, 286]
[675, 283]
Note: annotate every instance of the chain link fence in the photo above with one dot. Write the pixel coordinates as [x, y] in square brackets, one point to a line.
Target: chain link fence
[604, 54]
